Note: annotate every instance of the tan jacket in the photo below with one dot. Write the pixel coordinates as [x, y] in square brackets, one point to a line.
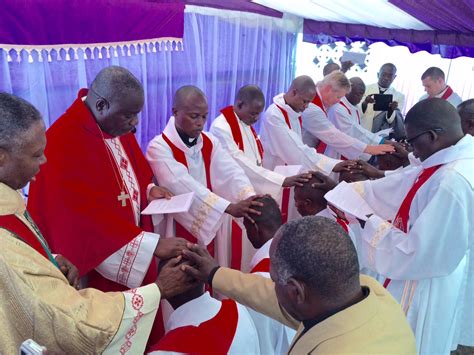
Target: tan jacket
[37, 302]
[376, 325]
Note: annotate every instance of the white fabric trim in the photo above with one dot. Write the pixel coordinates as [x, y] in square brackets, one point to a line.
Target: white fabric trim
[129, 265]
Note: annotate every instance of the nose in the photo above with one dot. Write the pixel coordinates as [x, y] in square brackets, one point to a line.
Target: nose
[43, 160]
[134, 120]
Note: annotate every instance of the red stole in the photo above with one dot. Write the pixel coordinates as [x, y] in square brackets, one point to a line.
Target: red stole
[262, 266]
[447, 93]
[214, 336]
[321, 148]
[16, 226]
[74, 198]
[233, 122]
[236, 238]
[402, 216]
[349, 111]
[285, 198]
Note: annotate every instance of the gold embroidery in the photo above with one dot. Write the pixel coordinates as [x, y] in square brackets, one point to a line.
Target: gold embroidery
[203, 212]
[375, 240]
[245, 191]
[359, 188]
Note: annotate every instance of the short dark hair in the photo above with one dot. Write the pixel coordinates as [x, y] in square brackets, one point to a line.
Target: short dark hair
[16, 116]
[271, 214]
[434, 73]
[318, 252]
[330, 67]
[466, 109]
[250, 93]
[433, 113]
[114, 82]
[311, 192]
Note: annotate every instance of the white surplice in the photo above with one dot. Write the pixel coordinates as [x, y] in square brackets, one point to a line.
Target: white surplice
[273, 336]
[204, 308]
[283, 145]
[136, 256]
[206, 217]
[430, 265]
[454, 99]
[263, 180]
[318, 128]
[368, 118]
[346, 117]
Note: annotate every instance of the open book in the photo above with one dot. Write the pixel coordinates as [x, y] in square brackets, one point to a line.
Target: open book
[346, 199]
[177, 204]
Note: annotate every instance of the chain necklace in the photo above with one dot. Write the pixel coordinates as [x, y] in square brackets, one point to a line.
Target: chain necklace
[122, 197]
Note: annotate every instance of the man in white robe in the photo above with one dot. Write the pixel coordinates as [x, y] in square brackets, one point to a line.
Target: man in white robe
[346, 115]
[274, 337]
[320, 132]
[201, 324]
[386, 76]
[185, 160]
[434, 82]
[425, 254]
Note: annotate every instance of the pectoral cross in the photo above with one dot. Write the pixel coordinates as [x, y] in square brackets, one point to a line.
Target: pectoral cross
[123, 198]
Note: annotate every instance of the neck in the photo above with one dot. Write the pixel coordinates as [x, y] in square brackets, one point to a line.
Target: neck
[288, 102]
[445, 87]
[184, 298]
[188, 140]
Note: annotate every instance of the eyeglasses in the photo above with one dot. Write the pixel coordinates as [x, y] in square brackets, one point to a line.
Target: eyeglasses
[411, 140]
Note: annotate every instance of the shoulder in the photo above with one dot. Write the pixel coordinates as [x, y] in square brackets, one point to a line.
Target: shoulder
[219, 123]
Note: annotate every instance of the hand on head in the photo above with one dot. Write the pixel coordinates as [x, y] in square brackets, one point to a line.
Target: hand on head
[326, 183]
[244, 208]
[172, 280]
[344, 165]
[170, 247]
[201, 262]
[297, 180]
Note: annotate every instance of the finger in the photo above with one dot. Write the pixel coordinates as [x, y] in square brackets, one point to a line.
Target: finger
[256, 203]
[249, 218]
[191, 271]
[252, 211]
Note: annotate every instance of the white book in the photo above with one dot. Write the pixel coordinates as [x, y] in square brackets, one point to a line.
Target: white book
[177, 204]
[354, 57]
[346, 199]
[288, 170]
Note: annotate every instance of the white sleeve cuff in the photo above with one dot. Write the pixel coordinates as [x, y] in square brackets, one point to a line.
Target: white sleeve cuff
[129, 265]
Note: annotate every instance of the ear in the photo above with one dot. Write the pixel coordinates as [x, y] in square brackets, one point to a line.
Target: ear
[175, 111]
[240, 104]
[101, 105]
[296, 291]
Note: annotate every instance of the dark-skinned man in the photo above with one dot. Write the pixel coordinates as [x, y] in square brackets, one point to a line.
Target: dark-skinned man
[345, 116]
[186, 160]
[424, 254]
[88, 199]
[38, 301]
[386, 76]
[201, 324]
[334, 308]
[466, 112]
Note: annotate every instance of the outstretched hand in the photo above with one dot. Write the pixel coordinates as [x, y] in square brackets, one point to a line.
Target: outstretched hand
[244, 208]
[297, 180]
[326, 184]
[201, 262]
[379, 149]
[69, 270]
[344, 165]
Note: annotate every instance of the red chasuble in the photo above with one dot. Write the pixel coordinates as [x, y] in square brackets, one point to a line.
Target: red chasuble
[401, 219]
[214, 336]
[321, 148]
[74, 198]
[182, 232]
[233, 122]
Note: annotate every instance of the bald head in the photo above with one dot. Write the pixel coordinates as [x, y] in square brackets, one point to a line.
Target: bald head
[466, 112]
[357, 91]
[190, 110]
[330, 67]
[114, 83]
[301, 92]
[431, 125]
[249, 104]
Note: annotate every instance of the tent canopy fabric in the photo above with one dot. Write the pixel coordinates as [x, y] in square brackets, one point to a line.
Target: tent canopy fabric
[437, 26]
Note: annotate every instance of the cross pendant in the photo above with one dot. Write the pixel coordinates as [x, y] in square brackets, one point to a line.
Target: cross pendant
[123, 198]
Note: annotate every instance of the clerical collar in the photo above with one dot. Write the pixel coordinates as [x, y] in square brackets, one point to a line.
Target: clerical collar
[310, 323]
[382, 90]
[189, 141]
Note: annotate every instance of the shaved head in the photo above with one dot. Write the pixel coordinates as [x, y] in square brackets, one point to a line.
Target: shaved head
[357, 91]
[466, 111]
[357, 82]
[330, 67]
[185, 94]
[303, 83]
[310, 200]
[301, 92]
[249, 93]
[114, 83]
